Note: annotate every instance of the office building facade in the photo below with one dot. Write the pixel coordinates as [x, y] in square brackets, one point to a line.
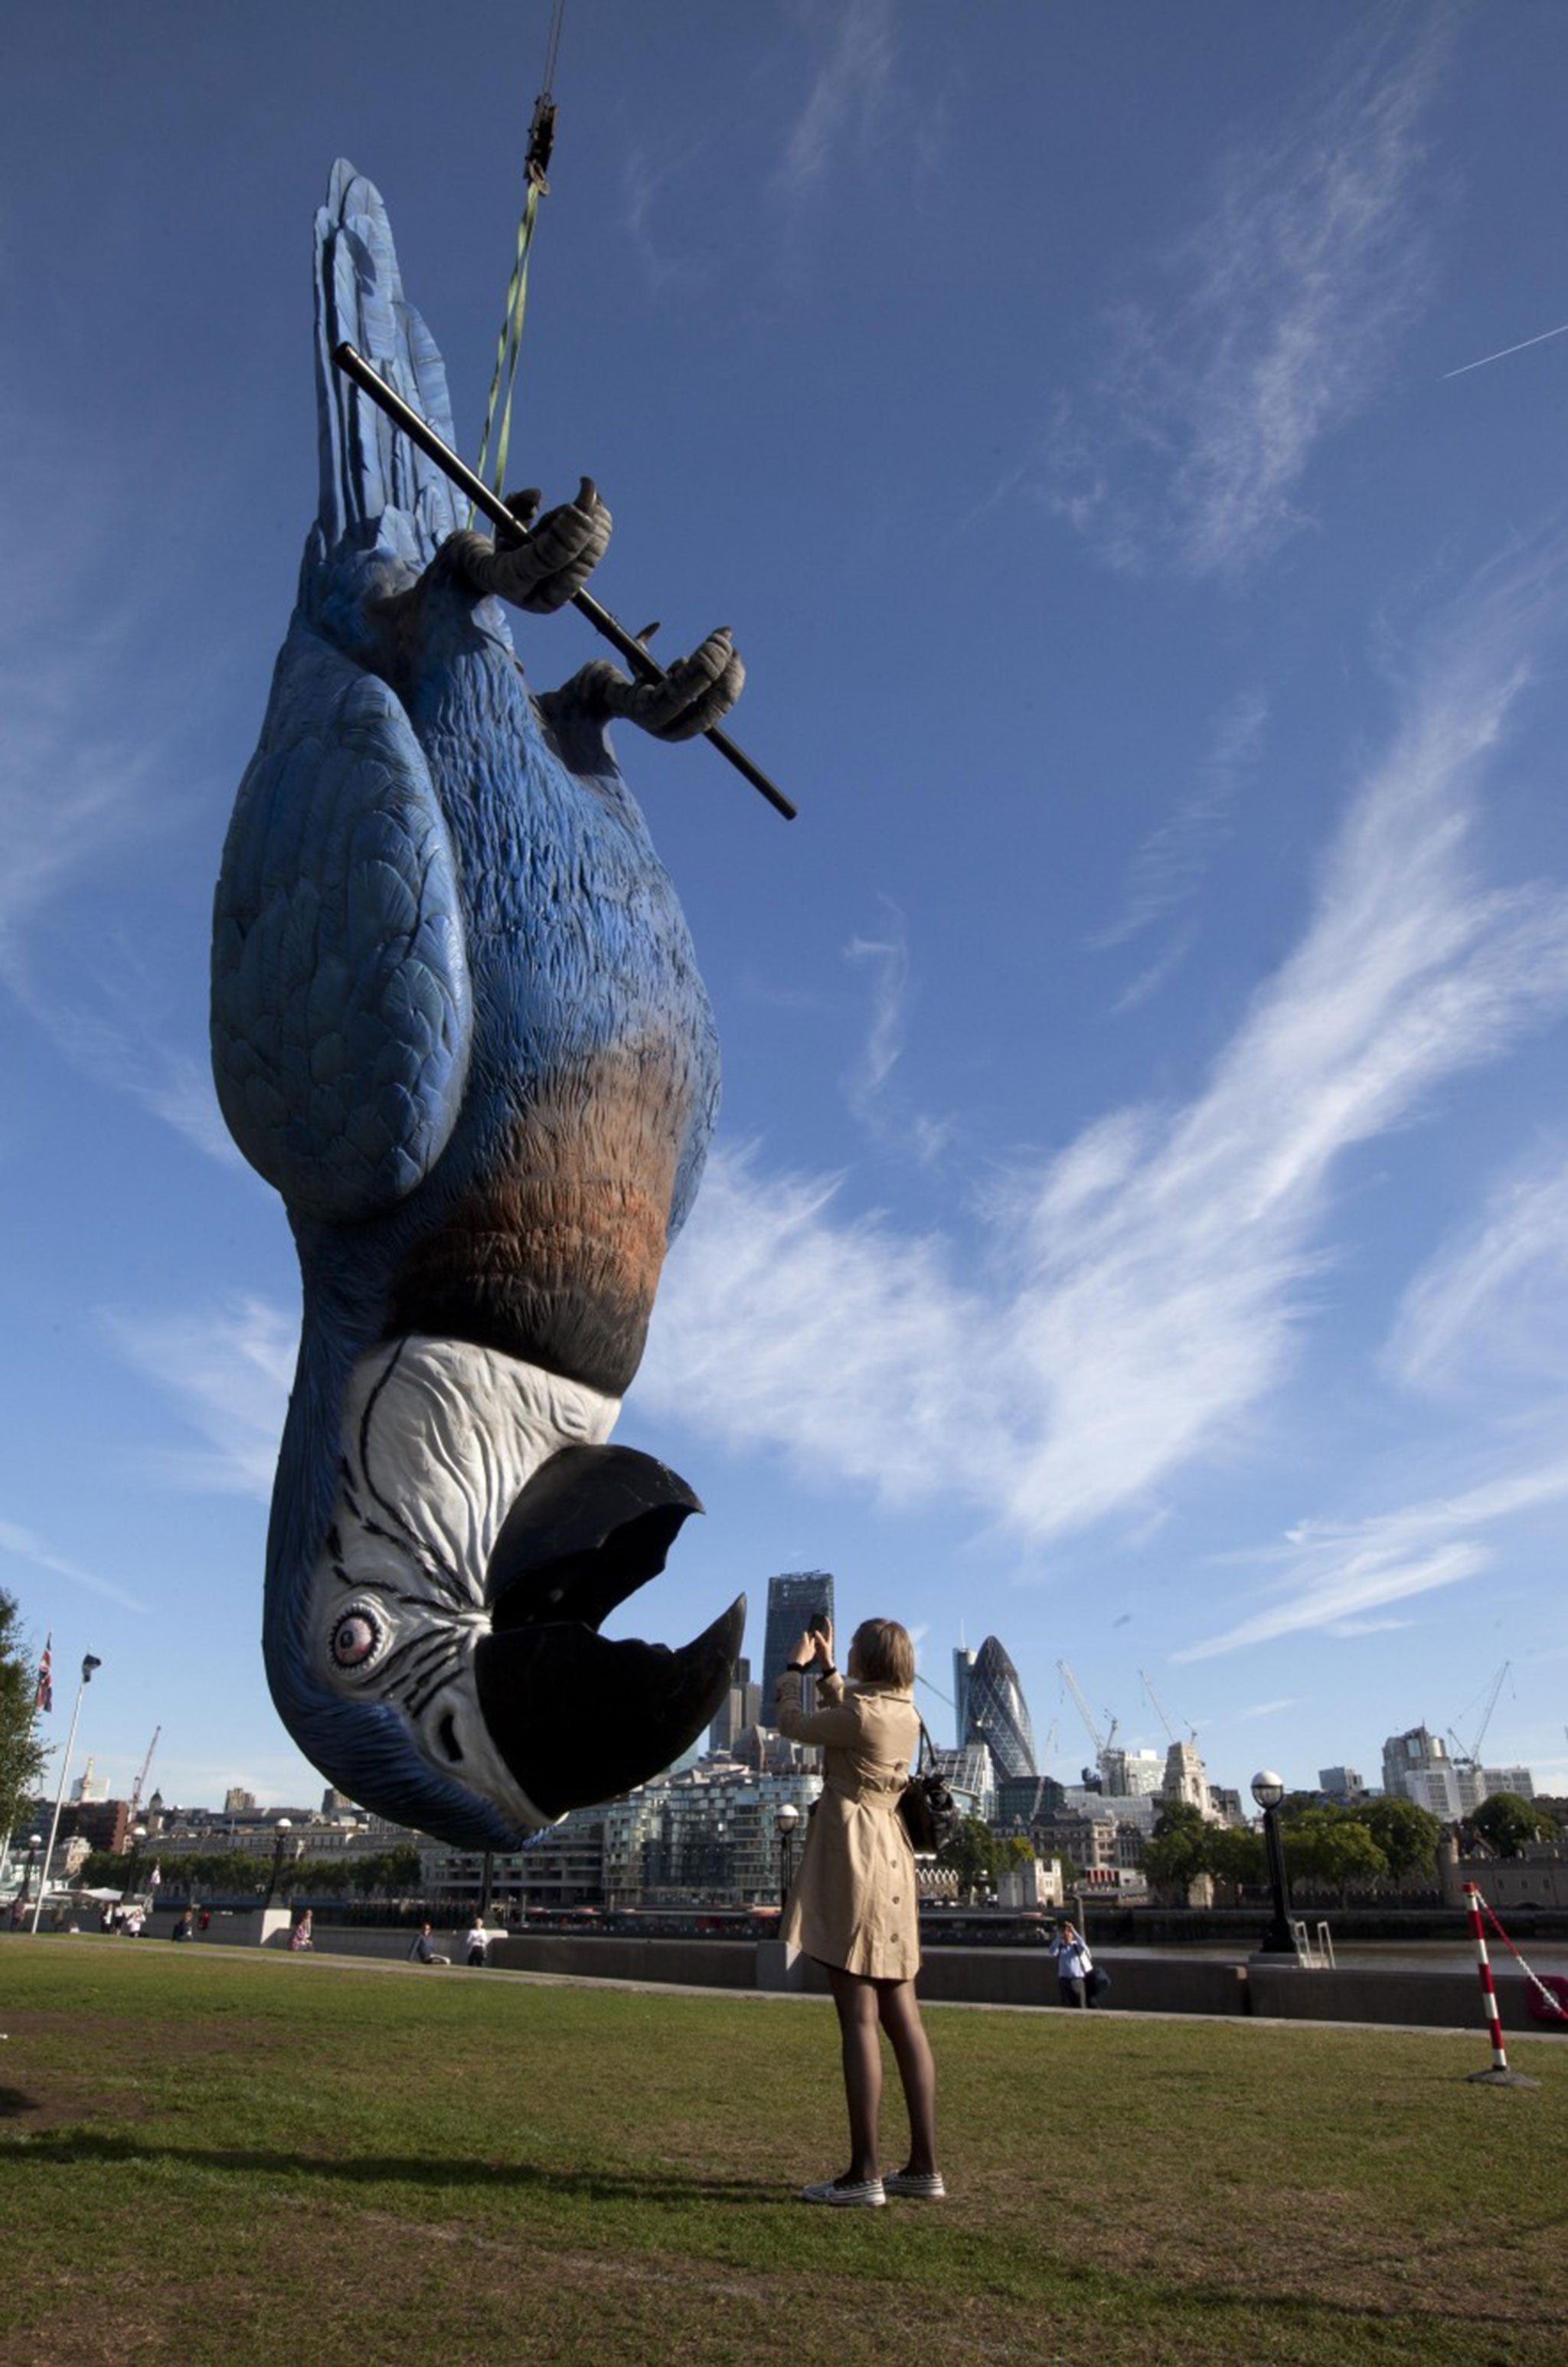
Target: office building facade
[793, 1596]
[996, 1713]
[740, 1709]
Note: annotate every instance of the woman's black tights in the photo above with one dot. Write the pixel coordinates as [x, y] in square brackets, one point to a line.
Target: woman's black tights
[866, 2009]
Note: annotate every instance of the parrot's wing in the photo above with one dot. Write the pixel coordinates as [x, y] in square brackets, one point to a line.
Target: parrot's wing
[341, 1000]
[367, 466]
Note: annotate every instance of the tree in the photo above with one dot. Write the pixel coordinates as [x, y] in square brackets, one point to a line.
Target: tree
[972, 1856]
[22, 1755]
[1407, 1834]
[1018, 1850]
[1234, 1856]
[1177, 1853]
[1508, 1823]
[1329, 1846]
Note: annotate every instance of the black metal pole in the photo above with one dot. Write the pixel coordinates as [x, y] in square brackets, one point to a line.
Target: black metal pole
[276, 1870]
[1277, 1940]
[353, 363]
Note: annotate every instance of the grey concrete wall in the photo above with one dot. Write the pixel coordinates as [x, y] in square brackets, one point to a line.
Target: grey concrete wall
[705, 1963]
[1178, 1983]
[1449, 2000]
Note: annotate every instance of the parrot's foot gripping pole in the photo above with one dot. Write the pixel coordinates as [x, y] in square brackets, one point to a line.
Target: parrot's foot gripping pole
[418, 431]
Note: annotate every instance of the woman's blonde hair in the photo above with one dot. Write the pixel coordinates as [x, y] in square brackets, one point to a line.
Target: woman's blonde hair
[883, 1654]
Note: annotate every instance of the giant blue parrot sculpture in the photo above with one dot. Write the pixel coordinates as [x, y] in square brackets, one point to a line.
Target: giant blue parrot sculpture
[457, 1024]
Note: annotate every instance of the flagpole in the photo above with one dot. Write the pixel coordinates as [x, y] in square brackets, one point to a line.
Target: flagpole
[88, 1665]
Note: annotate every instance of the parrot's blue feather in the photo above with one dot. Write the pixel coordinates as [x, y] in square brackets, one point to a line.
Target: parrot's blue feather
[341, 1001]
[367, 466]
[458, 1020]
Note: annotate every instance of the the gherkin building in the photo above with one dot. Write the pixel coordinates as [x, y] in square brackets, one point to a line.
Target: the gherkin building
[998, 1714]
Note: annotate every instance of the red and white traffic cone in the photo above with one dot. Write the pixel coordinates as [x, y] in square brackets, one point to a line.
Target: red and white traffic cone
[1499, 2075]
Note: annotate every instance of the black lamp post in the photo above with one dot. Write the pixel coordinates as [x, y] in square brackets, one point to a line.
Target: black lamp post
[784, 1822]
[137, 1835]
[1269, 1790]
[284, 1829]
[35, 1842]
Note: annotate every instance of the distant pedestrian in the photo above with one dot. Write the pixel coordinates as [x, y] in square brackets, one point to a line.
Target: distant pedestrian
[424, 1950]
[477, 1942]
[300, 1938]
[186, 1928]
[204, 1919]
[1075, 1966]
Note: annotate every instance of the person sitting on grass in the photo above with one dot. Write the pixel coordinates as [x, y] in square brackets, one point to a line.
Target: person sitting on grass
[424, 1949]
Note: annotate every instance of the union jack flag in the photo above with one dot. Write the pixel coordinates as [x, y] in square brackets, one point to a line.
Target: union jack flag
[44, 1699]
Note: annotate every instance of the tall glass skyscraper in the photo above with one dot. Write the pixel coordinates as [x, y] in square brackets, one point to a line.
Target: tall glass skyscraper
[998, 1712]
[963, 1667]
[791, 1599]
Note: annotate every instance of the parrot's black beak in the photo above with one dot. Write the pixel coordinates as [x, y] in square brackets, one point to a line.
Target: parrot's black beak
[577, 1718]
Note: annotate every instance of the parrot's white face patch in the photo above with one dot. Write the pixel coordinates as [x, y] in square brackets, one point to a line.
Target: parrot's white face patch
[438, 1438]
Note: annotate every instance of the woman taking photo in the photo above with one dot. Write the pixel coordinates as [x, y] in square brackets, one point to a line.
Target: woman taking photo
[855, 1904]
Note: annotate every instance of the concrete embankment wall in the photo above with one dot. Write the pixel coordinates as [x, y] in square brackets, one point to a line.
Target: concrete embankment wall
[1175, 1984]
[1179, 1983]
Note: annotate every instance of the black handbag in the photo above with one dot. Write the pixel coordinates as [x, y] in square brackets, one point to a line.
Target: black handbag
[932, 1815]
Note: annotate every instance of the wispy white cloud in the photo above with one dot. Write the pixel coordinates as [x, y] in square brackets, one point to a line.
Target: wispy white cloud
[85, 781]
[1138, 1297]
[1281, 313]
[886, 959]
[1145, 984]
[22, 1545]
[848, 90]
[228, 1370]
[1495, 1297]
[644, 182]
[1268, 1708]
[1170, 865]
[1335, 1577]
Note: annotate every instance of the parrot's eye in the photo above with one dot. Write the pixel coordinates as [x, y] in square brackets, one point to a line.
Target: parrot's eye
[355, 1639]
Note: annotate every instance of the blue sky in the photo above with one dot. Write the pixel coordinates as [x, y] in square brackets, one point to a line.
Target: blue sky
[1139, 1221]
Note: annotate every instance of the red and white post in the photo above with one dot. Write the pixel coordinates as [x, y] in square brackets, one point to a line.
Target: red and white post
[1499, 2075]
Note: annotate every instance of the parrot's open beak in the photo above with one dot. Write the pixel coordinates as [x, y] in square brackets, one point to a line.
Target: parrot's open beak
[577, 1719]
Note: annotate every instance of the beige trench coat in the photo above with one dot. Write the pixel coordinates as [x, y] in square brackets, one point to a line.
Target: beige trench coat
[854, 1902]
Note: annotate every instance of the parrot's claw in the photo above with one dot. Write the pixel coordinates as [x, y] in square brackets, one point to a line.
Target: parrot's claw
[552, 567]
[696, 693]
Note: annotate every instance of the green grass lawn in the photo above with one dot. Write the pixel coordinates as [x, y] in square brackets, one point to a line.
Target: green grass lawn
[210, 2155]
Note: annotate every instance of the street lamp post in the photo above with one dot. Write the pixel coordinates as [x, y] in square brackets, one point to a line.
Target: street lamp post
[784, 1822]
[35, 1842]
[90, 1662]
[285, 1827]
[137, 1835]
[1269, 1790]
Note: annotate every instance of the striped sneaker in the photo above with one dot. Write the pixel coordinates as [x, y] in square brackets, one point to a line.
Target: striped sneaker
[867, 2194]
[917, 2185]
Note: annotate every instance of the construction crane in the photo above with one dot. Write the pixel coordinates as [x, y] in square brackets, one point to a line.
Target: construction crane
[1472, 1756]
[137, 1788]
[1102, 1742]
[1159, 1710]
